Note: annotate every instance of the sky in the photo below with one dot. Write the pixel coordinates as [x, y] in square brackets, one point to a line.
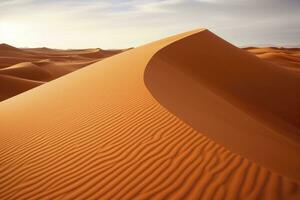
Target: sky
[131, 23]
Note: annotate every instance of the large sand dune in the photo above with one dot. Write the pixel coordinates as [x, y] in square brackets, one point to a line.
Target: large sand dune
[252, 102]
[125, 128]
[42, 64]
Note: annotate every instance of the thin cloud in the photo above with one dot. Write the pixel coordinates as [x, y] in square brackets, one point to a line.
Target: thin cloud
[116, 23]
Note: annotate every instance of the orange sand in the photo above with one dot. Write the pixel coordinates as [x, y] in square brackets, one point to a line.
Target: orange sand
[180, 118]
[288, 58]
[41, 64]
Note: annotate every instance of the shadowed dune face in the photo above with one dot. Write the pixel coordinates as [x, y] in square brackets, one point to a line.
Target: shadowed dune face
[35, 66]
[105, 136]
[27, 70]
[11, 86]
[242, 102]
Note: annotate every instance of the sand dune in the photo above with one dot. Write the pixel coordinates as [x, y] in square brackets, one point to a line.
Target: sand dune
[108, 131]
[11, 86]
[10, 56]
[75, 54]
[43, 64]
[252, 102]
[27, 70]
[288, 58]
[7, 50]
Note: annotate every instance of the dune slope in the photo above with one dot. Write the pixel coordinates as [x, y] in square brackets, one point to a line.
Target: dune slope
[288, 58]
[11, 86]
[235, 98]
[27, 70]
[43, 64]
[102, 135]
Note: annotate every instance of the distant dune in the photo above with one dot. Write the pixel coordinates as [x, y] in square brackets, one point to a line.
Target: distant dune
[42, 64]
[11, 86]
[285, 57]
[186, 117]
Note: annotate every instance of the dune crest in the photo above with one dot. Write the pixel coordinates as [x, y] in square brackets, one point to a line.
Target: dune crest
[242, 102]
[105, 137]
[11, 86]
[27, 70]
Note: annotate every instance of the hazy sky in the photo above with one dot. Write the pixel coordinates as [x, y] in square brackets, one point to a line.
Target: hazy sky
[129, 23]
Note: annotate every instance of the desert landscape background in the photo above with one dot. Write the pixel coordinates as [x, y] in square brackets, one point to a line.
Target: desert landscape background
[149, 99]
[24, 68]
[186, 117]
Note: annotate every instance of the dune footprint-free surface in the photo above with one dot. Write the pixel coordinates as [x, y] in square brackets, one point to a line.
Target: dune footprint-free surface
[22, 69]
[180, 118]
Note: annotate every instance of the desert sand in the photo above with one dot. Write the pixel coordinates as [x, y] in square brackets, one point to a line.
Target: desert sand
[186, 117]
[22, 69]
[285, 57]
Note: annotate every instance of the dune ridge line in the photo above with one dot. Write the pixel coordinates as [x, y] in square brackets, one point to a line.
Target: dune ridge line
[102, 135]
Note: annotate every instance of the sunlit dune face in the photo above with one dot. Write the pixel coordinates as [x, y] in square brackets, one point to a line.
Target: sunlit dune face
[186, 117]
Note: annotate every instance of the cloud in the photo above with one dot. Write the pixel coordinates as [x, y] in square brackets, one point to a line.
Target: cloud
[119, 23]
